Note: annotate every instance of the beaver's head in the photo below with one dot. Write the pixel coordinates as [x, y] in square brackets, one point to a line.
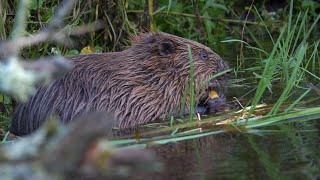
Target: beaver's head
[166, 57]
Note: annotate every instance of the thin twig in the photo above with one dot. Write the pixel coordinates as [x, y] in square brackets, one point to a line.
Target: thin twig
[38, 14]
[7, 48]
[198, 20]
[314, 88]
[242, 33]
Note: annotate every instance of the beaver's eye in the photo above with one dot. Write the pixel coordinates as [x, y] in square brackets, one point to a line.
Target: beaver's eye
[203, 56]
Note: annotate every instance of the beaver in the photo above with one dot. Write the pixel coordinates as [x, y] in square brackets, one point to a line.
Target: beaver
[139, 85]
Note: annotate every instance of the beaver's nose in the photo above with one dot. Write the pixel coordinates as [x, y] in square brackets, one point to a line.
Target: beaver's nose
[223, 65]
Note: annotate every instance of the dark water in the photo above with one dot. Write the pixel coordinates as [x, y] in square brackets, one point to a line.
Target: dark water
[293, 154]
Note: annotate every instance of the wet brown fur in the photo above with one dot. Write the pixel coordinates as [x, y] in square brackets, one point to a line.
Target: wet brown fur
[141, 84]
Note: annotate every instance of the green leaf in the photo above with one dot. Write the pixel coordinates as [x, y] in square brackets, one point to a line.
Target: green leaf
[98, 49]
[72, 52]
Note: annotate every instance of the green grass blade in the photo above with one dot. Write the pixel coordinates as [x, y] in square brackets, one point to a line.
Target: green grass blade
[297, 100]
[301, 116]
[302, 26]
[299, 57]
[169, 6]
[271, 38]
[191, 108]
[268, 71]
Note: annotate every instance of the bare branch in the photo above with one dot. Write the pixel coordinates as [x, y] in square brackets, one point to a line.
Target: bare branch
[76, 150]
[20, 80]
[7, 48]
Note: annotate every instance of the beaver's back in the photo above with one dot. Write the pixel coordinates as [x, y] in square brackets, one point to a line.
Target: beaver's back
[66, 97]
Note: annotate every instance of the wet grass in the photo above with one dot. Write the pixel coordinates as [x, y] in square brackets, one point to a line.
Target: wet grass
[287, 63]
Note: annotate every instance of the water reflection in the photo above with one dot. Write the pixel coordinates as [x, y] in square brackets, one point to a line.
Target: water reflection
[290, 155]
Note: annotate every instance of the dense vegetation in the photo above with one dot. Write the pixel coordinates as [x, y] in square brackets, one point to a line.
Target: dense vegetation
[274, 44]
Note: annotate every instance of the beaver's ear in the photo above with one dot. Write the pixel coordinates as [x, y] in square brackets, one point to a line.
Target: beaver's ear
[165, 47]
